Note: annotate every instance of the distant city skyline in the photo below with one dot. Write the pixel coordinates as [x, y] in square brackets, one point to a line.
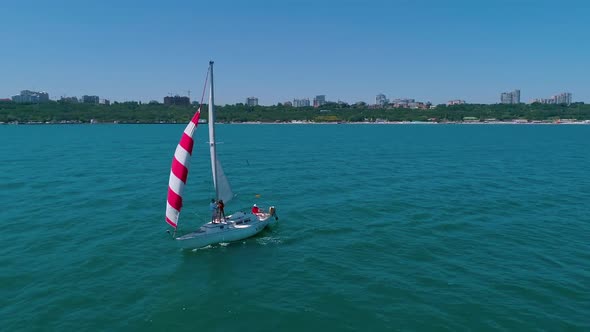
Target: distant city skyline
[513, 97]
[280, 51]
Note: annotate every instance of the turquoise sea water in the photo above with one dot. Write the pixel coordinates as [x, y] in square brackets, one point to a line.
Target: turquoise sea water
[382, 227]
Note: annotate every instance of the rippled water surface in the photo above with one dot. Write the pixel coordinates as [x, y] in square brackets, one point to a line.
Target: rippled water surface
[382, 227]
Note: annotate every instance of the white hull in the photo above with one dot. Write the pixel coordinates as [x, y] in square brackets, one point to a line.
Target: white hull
[235, 227]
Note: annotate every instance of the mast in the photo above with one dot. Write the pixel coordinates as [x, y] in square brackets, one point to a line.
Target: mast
[211, 121]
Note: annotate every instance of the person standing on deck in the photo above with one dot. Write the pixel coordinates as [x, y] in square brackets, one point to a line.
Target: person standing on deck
[213, 209]
[220, 207]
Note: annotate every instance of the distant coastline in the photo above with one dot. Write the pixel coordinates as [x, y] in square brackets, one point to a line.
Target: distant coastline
[137, 113]
[513, 122]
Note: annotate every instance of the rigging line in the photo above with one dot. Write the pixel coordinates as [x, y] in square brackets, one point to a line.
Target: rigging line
[205, 87]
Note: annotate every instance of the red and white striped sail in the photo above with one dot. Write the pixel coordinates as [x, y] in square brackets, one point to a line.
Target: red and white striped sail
[179, 171]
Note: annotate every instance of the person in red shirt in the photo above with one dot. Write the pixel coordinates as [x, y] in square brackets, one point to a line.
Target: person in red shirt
[255, 209]
[220, 207]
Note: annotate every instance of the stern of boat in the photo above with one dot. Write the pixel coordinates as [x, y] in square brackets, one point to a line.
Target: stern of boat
[271, 217]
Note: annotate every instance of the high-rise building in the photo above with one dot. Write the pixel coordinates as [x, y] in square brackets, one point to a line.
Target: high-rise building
[510, 97]
[90, 99]
[177, 100]
[381, 100]
[301, 102]
[403, 103]
[562, 98]
[252, 101]
[72, 100]
[319, 100]
[516, 96]
[455, 102]
[27, 96]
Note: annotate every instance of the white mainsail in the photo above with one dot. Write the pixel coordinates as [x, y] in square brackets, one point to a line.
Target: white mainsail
[224, 191]
[222, 188]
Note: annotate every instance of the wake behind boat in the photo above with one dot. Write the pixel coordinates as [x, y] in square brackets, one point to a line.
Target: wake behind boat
[235, 227]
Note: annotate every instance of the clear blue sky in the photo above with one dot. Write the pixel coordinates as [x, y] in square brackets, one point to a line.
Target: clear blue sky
[279, 50]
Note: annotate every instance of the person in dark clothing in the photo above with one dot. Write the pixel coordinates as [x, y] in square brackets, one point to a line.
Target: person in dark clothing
[220, 209]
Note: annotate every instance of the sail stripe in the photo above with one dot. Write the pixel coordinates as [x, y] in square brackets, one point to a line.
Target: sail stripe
[170, 222]
[170, 211]
[187, 143]
[171, 215]
[182, 155]
[175, 182]
[195, 119]
[174, 199]
[179, 171]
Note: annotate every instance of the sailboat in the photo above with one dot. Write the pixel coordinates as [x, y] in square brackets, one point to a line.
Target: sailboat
[220, 229]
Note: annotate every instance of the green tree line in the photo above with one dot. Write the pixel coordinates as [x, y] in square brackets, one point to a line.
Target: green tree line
[133, 112]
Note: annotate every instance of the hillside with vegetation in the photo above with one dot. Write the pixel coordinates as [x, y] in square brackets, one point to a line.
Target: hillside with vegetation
[133, 112]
